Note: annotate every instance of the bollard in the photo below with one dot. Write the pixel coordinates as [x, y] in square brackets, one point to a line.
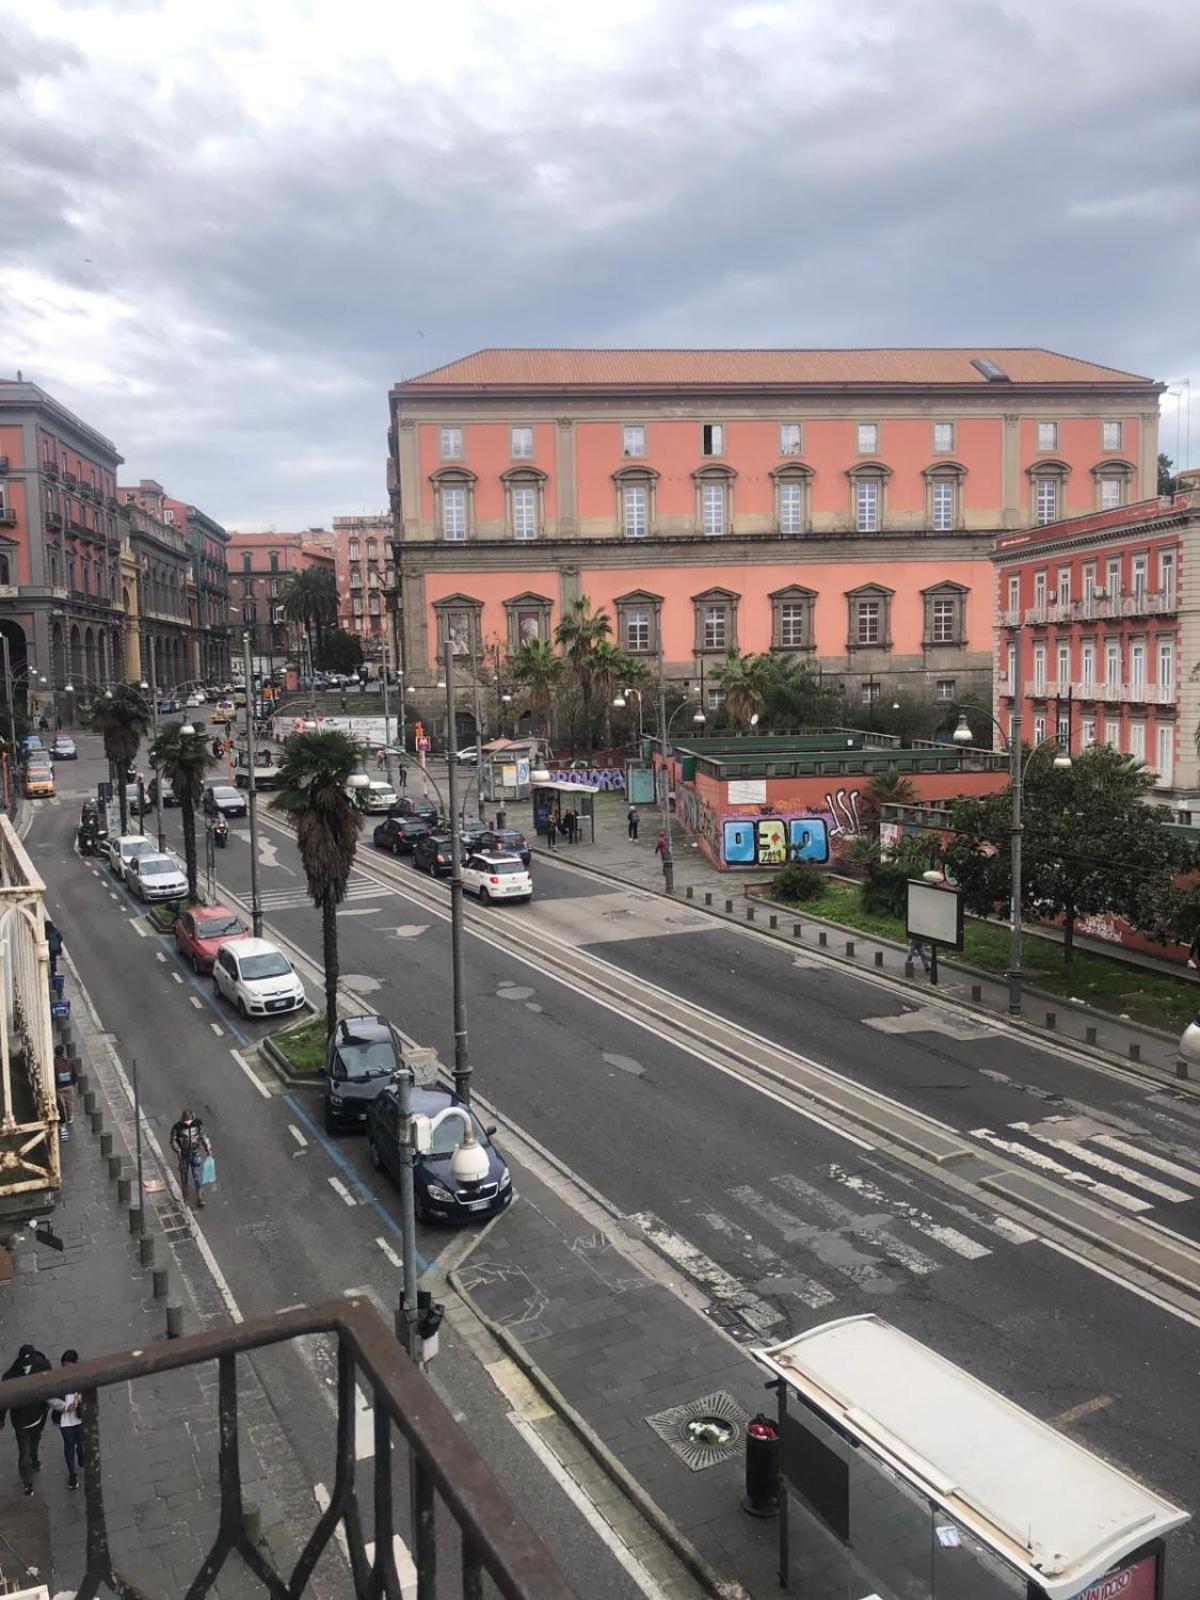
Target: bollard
[822, 938]
[81, 1078]
[174, 1322]
[97, 1121]
[1051, 1018]
[1089, 1035]
[1135, 1051]
[879, 958]
[146, 1250]
[708, 897]
[762, 1467]
[160, 1279]
[89, 1101]
[124, 1191]
[1181, 1067]
[135, 1220]
[797, 930]
[115, 1163]
[772, 921]
[106, 1140]
[976, 991]
[849, 947]
[749, 913]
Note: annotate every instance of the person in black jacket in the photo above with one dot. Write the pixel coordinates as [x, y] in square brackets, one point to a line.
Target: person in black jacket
[28, 1421]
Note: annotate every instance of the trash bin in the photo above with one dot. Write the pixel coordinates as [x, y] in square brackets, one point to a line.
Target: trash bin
[58, 984]
[762, 1467]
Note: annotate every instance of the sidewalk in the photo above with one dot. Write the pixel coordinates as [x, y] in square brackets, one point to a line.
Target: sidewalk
[728, 895]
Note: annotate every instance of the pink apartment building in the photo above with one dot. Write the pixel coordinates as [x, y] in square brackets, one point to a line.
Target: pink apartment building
[362, 552]
[259, 566]
[839, 505]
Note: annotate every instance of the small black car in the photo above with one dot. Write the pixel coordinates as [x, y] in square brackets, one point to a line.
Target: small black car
[509, 841]
[414, 805]
[361, 1062]
[431, 854]
[168, 792]
[437, 1196]
[399, 834]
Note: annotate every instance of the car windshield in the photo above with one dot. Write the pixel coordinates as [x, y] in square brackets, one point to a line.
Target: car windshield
[367, 1058]
[447, 1136]
[158, 869]
[226, 794]
[271, 965]
[138, 847]
[505, 869]
[215, 927]
[515, 840]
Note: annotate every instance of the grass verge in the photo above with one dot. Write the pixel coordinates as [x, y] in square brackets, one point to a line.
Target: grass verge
[1155, 999]
[162, 916]
[303, 1047]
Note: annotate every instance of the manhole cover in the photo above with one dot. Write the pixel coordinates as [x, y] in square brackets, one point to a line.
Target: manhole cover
[704, 1431]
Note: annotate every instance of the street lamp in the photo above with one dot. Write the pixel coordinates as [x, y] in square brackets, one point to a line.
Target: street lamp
[622, 700]
[462, 1056]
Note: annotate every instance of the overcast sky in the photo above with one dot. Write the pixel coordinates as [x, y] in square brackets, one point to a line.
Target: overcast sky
[228, 227]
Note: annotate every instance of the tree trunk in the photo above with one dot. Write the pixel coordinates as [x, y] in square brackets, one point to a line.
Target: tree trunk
[187, 814]
[117, 776]
[330, 953]
[1068, 938]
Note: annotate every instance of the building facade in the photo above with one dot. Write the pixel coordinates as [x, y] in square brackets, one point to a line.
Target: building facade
[60, 546]
[840, 506]
[1099, 630]
[208, 543]
[259, 567]
[362, 551]
[160, 609]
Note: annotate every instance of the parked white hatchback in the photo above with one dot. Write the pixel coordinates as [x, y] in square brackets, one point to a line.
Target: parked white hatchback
[154, 877]
[493, 875]
[257, 977]
[124, 847]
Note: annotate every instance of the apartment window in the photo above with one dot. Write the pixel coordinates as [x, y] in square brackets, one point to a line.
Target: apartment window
[634, 502]
[1039, 590]
[1166, 575]
[868, 438]
[945, 689]
[943, 437]
[792, 618]
[1010, 664]
[1112, 577]
[633, 440]
[521, 443]
[866, 505]
[1111, 493]
[868, 621]
[790, 439]
[943, 505]
[1064, 666]
[1112, 732]
[714, 699]
[1039, 669]
[945, 622]
[791, 626]
[637, 629]
[712, 439]
[1039, 729]
[274, 561]
[524, 510]
[1137, 664]
[637, 622]
[528, 618]
[1166, 663]
[1164, 754]
[870, 692]
[523, 490]
[791, 507]
[1063, 592]
[715, 627]
[869, 618]
[451, 444]
[716, 620]
[1137, 740]
[1014, 591]
[1047, 435]
[1110, 435]
[1138, 570]
[1087, 664]
[1112, 663]
[1045, 499]
[1087, 731]
[713, 506]
[1062, 729]
[454, 514]
[352, 552]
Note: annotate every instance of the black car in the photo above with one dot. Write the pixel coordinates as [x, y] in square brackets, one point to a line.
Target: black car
[399, 834]
[437, 1196]
[414, 805]
[509, 841]
[361, 1062]
[431, 854]
[137, 800]
[167, 790]
[470, 831]
[223, 800]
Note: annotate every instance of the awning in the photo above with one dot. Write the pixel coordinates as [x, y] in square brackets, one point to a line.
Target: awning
[1052, 1510]
[567, 788]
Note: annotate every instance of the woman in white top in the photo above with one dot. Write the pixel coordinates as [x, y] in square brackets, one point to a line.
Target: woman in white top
[66, 1414]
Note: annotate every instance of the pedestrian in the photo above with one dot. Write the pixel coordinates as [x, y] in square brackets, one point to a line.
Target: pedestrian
[402, 775]
[54, 944]
[572, 821]
[28, 1420]
[191, 1144]
[66, 1415]
[217, 746]
[381, 760]
[43, 725]
[552, 828]
[343, 699]
[660, 844]
[65, 1079]
[916, 949]
[633, 819]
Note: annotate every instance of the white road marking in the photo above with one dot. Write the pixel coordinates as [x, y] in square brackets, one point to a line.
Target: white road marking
[406, 1570]
[217, 1028]
[176, 977]
[1102, 1163]
[1134, 1288]
[340, 1188]
[390, 1253]
[159, 955]
[913, 1215]
[1012, 1231]
[720, 1284]
[1083, 1180]
[1160, 1163]
[813, 1294]
[298, 1136]
[364, 1426]
[196, 1001]
[321, 1496]
[849, 1222]
[245, 1066]
[113, 895]
[140, 928]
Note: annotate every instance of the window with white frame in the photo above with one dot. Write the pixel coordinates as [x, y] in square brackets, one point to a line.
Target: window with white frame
[942, 622]
[353, 551]
[637, 622]
[1110, 435]
[712, 508]
[870, 692]
[1045, 498]
[1062, 728]
[454, 513]
[1039, 589]
[716, 627]
[789, 439]
[943, 437]
[1166, 575]
[1039, 669]
[866, 505]
[1112, 492]
[943, 505]
[867, 621]
[792, 618]
[1166, 663]
[1112, 663]
[1087, 664]
[791, 507]
[1063, 590]
[1087, 730]
[1137, 740]
[1064, 666]
[1139, 567]
[1112, 577]
[1010, 664]
[635, 499]
[451, 444]
[1014, 591]
[870, 622]
[1039, 729]
[1112, 732]
[1047, 435]
[1137, 664]
[714, 699]
[945, 689]
[1164, 752]
[522, 444]
[868, 438]
[1089, 580]
[715, 614]
[633, 439]
[712, 439]
[791, 625]
[637, 629]
[524, 512]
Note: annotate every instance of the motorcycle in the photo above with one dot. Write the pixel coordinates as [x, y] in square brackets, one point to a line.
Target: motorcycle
[220, 832]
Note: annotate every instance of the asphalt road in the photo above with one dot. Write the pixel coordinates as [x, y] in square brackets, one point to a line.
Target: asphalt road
[803, 1224]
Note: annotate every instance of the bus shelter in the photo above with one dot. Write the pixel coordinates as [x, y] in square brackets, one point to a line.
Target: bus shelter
[554, 801]
[934, 1483]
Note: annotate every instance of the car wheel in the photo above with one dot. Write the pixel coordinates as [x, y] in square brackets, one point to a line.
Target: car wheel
[216, 988]
[330, 1124]
[420, 1208]
[433, 869]
[242, 1012]
[373, 1153]
[484, 898]
[196, 967]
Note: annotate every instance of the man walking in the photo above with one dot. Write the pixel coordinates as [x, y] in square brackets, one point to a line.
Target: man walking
[67, 1414]
[633, 819]
[28, 1420]
[916, 948]
[191, 1145]
[65, 1079]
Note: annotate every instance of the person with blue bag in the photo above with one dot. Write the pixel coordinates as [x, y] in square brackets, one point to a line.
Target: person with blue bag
[193, 1151]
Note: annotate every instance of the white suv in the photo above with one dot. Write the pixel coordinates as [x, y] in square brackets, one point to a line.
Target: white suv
[257, 977]
[493, 875]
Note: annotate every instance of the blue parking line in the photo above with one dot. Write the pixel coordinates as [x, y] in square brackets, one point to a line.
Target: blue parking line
[352, 1177]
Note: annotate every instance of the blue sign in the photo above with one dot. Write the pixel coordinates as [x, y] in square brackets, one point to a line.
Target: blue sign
[60, 1008]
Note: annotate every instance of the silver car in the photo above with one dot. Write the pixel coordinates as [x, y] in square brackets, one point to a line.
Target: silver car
[155, 877]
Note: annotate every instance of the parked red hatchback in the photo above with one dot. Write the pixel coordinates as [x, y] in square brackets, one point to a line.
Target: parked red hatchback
[201, 932]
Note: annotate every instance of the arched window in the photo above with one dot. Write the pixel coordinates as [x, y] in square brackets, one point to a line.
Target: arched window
[944, 496]
[453, 503]
[1113, 480]
[524, 501]
[868, 496]
[792, 483]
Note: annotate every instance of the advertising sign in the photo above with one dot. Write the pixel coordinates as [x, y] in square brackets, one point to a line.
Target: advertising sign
[747, 791]
[1137, 1581]
[935, 913]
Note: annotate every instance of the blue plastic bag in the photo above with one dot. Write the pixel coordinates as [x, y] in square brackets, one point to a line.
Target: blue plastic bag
[208, 1172]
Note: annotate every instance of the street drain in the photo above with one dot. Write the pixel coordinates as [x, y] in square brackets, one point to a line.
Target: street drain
[704, 1431]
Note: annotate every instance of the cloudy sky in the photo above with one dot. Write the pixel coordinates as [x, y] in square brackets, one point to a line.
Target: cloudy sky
[229, 226]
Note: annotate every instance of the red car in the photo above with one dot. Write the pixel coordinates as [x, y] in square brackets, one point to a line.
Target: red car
[201, 932]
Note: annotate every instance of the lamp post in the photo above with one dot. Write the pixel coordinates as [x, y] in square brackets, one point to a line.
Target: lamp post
[622, 700]
[389, 758]
[153, 687]
[468, 1165]
[256, 916]
[664, 735]
[462, 1057]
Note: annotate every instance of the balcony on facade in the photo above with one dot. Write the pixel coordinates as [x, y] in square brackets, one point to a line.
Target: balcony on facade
[1129, 694]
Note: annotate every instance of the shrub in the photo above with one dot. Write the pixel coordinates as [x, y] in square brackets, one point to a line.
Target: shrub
[798, 881]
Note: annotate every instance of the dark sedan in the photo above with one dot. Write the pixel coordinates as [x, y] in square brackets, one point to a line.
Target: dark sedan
[361, 1062]
[431, 854]
[414, 805]
[509, 841]
[399, 834]
[438, 1197]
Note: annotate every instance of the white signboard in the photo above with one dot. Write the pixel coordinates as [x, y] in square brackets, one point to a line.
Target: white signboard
[747, 792]
[370, 730]
[890, 835]
[935, 913]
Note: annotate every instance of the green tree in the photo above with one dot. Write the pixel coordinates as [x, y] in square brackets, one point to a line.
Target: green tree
[184, 758]
[745, 682]
[309, 597]
[610, 669]
[579, 632]
[886, 788]
[340, 651]
[537, 671]
[1089, 844]
[121, 716]
[1166, 480]
[313, 775]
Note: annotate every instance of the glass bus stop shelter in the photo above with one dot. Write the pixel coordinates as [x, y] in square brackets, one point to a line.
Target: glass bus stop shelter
[925, 1481]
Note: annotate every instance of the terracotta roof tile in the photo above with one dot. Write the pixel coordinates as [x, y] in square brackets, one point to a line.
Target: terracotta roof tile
[793, 368]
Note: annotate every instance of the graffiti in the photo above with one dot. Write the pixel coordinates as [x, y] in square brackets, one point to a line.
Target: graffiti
[1103, 925]
[770, 841]
[847, 802]
[608, 778]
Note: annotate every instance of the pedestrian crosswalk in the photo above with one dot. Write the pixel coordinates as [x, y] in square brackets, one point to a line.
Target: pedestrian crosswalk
[1114, 1166]
[358, 888]
[770, 1255]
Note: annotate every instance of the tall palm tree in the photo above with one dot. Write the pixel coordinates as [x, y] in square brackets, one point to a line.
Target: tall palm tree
[312, 790]
[122, 717]
[184, 758]
[537, 670]
[579, 633]
[609, 669]
[309, 597]
[745, 681]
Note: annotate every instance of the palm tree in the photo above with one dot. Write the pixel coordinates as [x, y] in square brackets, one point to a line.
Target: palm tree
[184, 758]
[609, 669]
[579, 633]
[538, 671]
[313, 775]
[122, 717]
[886, 788]
[310, 597]
[746, 681]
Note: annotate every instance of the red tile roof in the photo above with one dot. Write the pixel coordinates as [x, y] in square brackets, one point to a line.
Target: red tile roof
[560, 369]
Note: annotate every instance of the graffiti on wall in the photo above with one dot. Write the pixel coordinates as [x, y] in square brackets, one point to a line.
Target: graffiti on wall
[609, 778]
[770, 841]
[844, 815]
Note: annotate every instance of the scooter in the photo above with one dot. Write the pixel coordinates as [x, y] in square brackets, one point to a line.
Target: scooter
[220, 833]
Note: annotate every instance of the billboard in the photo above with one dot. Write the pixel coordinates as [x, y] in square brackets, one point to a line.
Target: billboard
[935, 913]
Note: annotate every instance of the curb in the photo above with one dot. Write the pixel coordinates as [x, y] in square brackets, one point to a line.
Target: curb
[649, 1509]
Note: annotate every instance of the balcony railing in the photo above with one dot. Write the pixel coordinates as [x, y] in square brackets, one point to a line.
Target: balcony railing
[441, 1463]
[1011, 619]
[1146, 694]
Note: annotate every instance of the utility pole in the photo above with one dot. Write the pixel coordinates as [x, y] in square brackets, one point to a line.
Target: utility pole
[158, 782]
[387, 719]
[1016, 775]
[406, 1314]
[256, 916]
[668, 860]
[462, 1058]
[12, 723]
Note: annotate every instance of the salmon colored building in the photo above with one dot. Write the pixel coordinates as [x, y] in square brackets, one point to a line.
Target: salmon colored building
[259, 566]
[362, 551]
[839, 505]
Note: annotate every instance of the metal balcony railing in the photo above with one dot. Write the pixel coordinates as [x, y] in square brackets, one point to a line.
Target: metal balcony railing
[442, 1464]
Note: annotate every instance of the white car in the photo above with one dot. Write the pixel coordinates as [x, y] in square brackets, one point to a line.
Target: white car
[257, 977]
[467, 757]
[154, 877]
[124, 847]
[376, 796]
[194, 699]
[493, 875]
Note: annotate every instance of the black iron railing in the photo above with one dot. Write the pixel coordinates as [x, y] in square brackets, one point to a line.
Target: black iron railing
[442, 1464]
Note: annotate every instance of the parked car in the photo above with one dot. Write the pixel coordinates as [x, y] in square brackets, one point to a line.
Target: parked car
[492, 876]
[31, 741]
[194, 699]
[416, 805]
[137, 800]
[63, 749]
[375, 797]
[257, 977]
[361, 1061]
[467, 756]
[200, 933]
[438, 1197]
[470, 831]
[399, 834]
[223, 800]
[39, 783]
[166, 789]
[124, 847]
[168, 705]
[509, 841]
[155, 877]
[431, 854]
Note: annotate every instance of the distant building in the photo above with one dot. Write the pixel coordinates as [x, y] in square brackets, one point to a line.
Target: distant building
[259, 566]
[362, 549]
[160, 604]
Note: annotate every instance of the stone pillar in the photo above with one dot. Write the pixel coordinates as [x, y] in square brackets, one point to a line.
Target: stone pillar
[564, 481]
[1013, 512]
